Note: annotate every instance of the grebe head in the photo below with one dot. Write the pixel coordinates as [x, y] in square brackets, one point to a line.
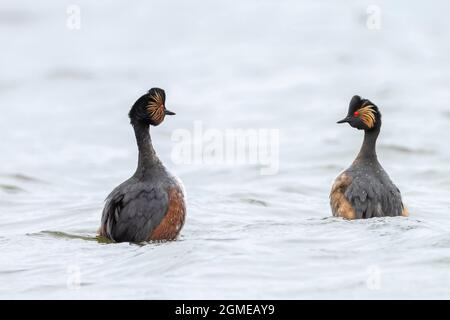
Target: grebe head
[150, 108]
[363, 114]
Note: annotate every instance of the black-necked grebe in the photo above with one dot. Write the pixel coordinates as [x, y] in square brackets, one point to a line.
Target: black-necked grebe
[365, 190]
[151, 204]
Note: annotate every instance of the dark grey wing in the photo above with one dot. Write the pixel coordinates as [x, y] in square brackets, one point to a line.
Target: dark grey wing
[372, 198]
[133, 213]
[110, 213]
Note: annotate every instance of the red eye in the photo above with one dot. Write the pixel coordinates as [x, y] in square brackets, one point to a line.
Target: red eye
[356, 114]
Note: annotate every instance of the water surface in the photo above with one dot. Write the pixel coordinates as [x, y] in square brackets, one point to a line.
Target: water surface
[66, 142]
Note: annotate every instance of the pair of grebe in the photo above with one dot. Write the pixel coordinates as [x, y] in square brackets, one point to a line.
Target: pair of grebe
[151, 204]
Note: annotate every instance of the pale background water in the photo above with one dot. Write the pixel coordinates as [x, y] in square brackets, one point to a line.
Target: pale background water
[65, 142]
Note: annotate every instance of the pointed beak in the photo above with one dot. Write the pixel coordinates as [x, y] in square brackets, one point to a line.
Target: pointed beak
[169, 113]
[347, 119]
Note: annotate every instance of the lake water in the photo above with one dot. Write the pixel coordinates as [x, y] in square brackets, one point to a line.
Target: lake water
[66, 142]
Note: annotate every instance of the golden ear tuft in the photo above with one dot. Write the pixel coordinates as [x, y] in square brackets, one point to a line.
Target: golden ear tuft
[367, 115]
[155, 108]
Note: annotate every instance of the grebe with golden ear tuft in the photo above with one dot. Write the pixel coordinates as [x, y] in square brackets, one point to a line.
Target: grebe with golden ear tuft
[151, 204]
[365, 190]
